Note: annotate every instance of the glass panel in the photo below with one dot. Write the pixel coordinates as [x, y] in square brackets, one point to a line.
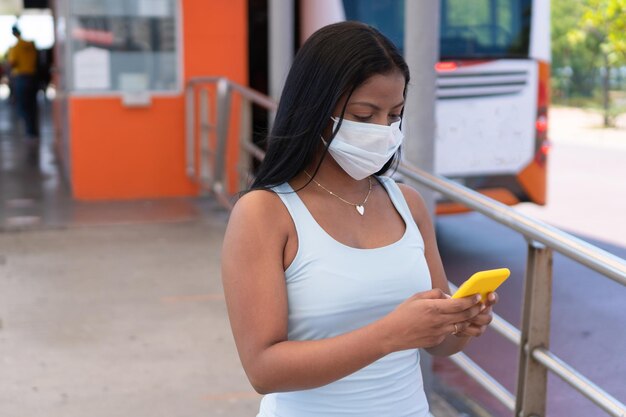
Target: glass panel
[485, 28]
[385, 15]
[470, 29]
[122, 45]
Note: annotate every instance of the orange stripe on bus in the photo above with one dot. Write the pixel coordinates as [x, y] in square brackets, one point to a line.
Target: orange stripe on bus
[499, 194]
[533, 181]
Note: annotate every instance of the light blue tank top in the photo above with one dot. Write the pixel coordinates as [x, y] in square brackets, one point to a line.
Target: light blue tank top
[333, 289]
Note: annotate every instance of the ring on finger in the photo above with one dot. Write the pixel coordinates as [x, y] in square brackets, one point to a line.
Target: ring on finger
[456, 328]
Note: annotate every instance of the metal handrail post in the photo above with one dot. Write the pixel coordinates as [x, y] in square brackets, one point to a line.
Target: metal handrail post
[245, 137]
[206, 179]
[223, 119]
[190, 130]
[532, 377]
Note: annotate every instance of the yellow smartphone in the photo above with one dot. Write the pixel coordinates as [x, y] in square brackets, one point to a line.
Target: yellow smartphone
[482, 283]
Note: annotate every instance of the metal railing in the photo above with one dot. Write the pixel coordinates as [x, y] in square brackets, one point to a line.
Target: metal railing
[533, 339]
[535, 359]
[206, 151]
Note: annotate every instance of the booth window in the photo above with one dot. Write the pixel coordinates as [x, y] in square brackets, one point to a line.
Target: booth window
[124, 45]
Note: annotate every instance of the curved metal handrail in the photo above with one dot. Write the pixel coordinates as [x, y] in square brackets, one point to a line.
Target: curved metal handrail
[595, 258]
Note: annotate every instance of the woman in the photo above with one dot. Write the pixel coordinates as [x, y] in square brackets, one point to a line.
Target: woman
[331, 271]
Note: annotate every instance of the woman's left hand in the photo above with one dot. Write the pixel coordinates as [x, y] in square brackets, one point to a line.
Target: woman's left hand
[478, 324]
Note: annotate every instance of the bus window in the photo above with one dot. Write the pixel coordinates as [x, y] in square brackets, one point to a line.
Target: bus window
[385, 15]
[475, 29]
[485, 29]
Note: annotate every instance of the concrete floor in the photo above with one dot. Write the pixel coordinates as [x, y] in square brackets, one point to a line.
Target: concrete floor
[117, 321]
[121, 320]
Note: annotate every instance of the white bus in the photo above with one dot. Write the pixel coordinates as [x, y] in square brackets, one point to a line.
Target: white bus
[492, 89]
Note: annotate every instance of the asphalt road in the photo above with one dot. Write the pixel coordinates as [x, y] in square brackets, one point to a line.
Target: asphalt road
[587, 198]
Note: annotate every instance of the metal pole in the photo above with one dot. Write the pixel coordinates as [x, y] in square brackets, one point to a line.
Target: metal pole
[190, 120]
[206, 156]
[532, 377]
[421, 51]
[245, 139]
[281, 43]
[223, 121]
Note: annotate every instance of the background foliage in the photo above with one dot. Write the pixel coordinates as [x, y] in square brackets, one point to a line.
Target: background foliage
[589, 54]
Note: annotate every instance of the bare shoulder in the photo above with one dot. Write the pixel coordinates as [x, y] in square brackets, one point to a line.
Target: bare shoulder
[259, 206]
[257, 201]
[415, 201]
[260, 215]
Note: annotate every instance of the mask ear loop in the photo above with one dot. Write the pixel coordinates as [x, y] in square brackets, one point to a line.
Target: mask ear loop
[332, 136]
[341, 116]
[333, 132]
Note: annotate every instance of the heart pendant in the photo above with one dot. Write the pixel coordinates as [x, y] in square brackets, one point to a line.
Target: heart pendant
[360, 209]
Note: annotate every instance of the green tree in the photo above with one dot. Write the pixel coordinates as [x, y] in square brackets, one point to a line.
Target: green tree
[603, 22]
[568, 52]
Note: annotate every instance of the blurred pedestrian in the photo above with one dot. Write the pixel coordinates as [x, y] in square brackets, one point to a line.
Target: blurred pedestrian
[22, 59]
[331, 271]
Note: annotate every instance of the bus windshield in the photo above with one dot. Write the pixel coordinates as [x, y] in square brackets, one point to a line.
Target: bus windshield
[476, 29]
[484, 29]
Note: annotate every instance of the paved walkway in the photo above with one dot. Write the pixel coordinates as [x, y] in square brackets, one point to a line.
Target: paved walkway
[120, 320]
[117, 321]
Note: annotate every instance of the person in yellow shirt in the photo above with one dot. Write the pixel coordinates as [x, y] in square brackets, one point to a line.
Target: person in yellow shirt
[23, 61]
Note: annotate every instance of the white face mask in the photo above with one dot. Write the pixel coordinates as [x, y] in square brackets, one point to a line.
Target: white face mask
[362, 149]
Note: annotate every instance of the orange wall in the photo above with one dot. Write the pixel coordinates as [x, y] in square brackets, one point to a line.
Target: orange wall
[126, 153]
[120, 153]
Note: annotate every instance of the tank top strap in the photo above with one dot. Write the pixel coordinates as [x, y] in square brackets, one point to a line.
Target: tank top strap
[302, 219]
[398, 200]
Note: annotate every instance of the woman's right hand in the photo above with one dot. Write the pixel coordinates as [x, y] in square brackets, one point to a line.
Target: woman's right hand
[425, 319]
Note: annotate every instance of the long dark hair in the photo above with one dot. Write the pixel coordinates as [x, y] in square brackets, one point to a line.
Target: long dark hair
[332, 63]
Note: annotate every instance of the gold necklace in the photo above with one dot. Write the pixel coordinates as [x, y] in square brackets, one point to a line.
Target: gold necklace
[360, 208]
